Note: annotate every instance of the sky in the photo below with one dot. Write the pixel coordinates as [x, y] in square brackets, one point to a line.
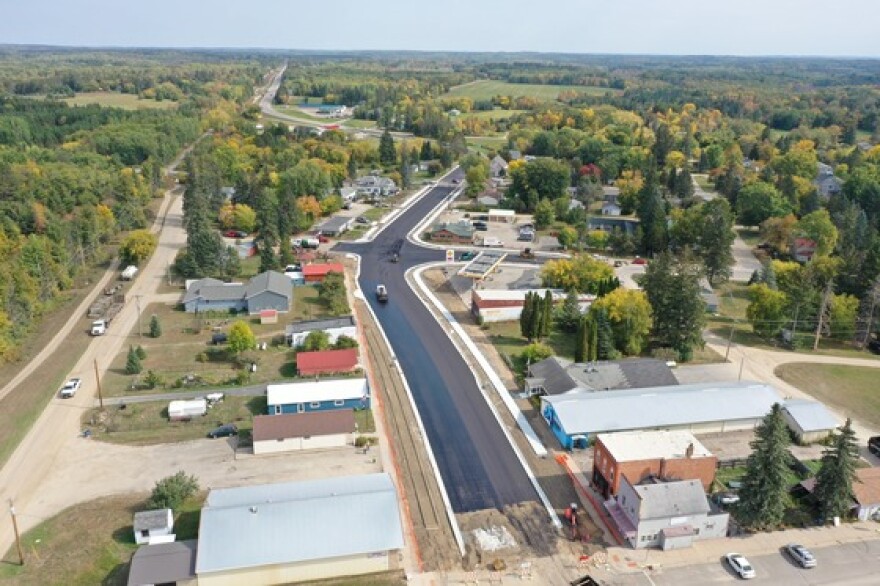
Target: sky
[665, 27]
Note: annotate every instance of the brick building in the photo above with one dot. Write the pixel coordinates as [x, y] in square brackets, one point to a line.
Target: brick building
[638, 455]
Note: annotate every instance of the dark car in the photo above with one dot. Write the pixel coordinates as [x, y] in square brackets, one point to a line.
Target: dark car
[227, 430]
[468, 255]
[874, 445]
[874, 346]
[481, 226]
[362, 220]
[218, 338]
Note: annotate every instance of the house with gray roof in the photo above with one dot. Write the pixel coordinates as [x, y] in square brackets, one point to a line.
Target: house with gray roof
[669, 515]
[498, 167]
[164, 563]
[373, 186]
[154, 526]
[336, 225]
[296, 333]
[556, 375]
[268, 290]
[826, 183]
[284, 533]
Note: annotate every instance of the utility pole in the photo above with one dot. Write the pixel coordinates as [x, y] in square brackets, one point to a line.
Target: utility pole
[98, 381]
[826, 298]
[137, 299]
[729, 341]
[17, 536]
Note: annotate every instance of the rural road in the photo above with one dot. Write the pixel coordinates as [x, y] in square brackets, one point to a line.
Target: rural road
[38, 455]
[479, 468]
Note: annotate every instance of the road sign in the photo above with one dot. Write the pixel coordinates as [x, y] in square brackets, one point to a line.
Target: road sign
[450, 256]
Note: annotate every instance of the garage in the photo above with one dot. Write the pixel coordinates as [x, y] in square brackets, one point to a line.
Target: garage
[303, 431]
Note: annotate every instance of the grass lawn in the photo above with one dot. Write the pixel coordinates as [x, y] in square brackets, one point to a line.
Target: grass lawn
[142, 424]
[851, 389]
[486, 143]
[295, 112]
[703, 181]
[498, 114]
[505, 336]
[117, 100]
[357, 123]
[184, 349]
[487, 89]
[364, 420]
[90, 543]
[750, 236]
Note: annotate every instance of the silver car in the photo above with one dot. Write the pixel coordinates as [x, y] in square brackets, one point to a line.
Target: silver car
[801, 555]
[740, 565]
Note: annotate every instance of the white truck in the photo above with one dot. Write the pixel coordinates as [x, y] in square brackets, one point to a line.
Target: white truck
[99, 327]
[492, 242]
[381, 293]
[129, 273]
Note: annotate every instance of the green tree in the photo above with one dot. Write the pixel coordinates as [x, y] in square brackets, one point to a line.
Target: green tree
[331, 292]
[316, 340]
[759, 201]
[570, 317]
[582, 340]
[673, 289]
[544, 214]
[764, 489]
[819, 228]
[137, 247]
[241, 338]
[141, 353]
[543, 178]
[526, 318]
[716, 240]
[351, 168]
[568, 237]
[605, 349]
[132, 362]
[387, 152]
[345, 342]
[652, 218]
[476, 177]
[835, 478]
[536, 352]
[581, 272]
[767, 310]
[629, 315]
[546, 314]
[155, 327]
[173, 491]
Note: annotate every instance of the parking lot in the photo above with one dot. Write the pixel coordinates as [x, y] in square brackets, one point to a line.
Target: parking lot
[507, 233]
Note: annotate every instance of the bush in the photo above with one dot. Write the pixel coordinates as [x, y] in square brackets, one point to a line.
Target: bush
[172, 491]
[536, 352]
[142, 354]
[153, 380]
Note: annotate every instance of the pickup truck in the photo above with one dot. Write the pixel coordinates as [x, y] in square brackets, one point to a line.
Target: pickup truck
[381, 293]
[99, 327]
[70, 388]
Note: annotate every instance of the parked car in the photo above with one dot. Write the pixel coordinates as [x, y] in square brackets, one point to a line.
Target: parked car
[874, 346]
[874, 445]
[235, 234]
[294, 268]
[526, 236]
[481, 226]
[727, 498]
[381, 293]
[639, 261]
[618, 263]
[218, 338]
[740, 565]
[323, 239]
[227, 430]
[801, 555]
[362, 220]
[70, 388]
[468, 255]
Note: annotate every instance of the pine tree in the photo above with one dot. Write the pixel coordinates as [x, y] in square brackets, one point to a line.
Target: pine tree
[570, 313]
[684, 185]
[427, 153]
[581, 342]
[605, 349]
[835, 477]
[593, 346]
[155, 327]
[537, 316]
[352, 168]
[132, 362]
[762, 503]
[387, 152]
[526, 318]
[141, 353]
[547, 314]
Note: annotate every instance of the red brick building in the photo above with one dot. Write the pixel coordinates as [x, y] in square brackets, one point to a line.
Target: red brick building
[668, 455]
[315, 273]
[326, 361]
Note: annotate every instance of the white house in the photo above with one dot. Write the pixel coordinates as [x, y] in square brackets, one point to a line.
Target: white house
[296, 333]
[319, 395]
[156, 526]
[299, 531]
[610, 209]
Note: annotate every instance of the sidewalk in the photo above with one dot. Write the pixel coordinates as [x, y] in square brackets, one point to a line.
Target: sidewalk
[626, 560]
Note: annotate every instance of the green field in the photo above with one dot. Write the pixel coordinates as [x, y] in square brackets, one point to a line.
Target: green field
[498, 114]
[485, 90]
[851, 389]
[116, 100]
[356, 123]
[486, 143]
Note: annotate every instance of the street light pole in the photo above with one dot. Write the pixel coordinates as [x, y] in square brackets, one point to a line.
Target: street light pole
[137, 299]
[17, 536]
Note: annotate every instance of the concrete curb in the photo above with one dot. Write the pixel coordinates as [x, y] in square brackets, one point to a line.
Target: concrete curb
[518, 416]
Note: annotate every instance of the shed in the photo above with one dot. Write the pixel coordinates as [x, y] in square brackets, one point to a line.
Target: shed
[164, 563]
[155, 526]
[268, 316]
[326, 361]
[336, 225]
[285, 533]
[809, 421]
[323, 395]
[610, 209]
[506, 216]
[186, 410]
[316, 273]
[297, 332]
[306, 431]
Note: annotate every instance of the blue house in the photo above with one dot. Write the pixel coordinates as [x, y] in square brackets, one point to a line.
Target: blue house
[268, 290]
[322, 395]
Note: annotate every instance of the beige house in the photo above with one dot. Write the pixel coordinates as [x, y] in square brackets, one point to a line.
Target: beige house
[291, 532]
[303, 431]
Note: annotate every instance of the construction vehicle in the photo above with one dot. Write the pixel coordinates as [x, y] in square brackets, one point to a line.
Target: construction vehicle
[381, 293]
[527, 253]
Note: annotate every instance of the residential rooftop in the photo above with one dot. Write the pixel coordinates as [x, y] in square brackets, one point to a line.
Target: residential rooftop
[627, 446]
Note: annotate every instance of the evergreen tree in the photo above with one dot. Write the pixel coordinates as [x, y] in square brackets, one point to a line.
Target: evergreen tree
[132, 362]
[703, 165]
[835, 477]
[716, 240]
[405, 169]
[155, 327]
[684, 185]
[426, 153]
[387, 152]
[569, 318]
[593, 338]
[547, 314]
[141, 353]
[352, 168]
[582, 340]
[762, 497]
[537, 316]
[526, 319]
[605, 349]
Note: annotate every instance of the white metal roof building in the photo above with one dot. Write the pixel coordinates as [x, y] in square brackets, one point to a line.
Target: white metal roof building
[291, 532]
[699, 408]
[627, 446]
[810, 421]
[316, 395]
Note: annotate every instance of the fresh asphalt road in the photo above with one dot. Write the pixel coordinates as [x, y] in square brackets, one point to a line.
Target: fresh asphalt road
[853, 564]
[478, 465]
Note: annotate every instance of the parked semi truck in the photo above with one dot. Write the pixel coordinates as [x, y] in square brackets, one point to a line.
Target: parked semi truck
[103, 310]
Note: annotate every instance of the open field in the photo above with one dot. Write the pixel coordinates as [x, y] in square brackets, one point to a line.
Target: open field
[298, 113]
[498, 114]
[850, 389]
[356, 123]
[486, 90]
[117, 100]
[87, 544]
[486, 143]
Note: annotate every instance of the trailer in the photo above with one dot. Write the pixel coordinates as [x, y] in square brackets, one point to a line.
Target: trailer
[186, 410]
[129, 273]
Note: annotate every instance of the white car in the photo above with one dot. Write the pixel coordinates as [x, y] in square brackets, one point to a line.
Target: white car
[70, 388]
[801, 555]
[741, 566]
